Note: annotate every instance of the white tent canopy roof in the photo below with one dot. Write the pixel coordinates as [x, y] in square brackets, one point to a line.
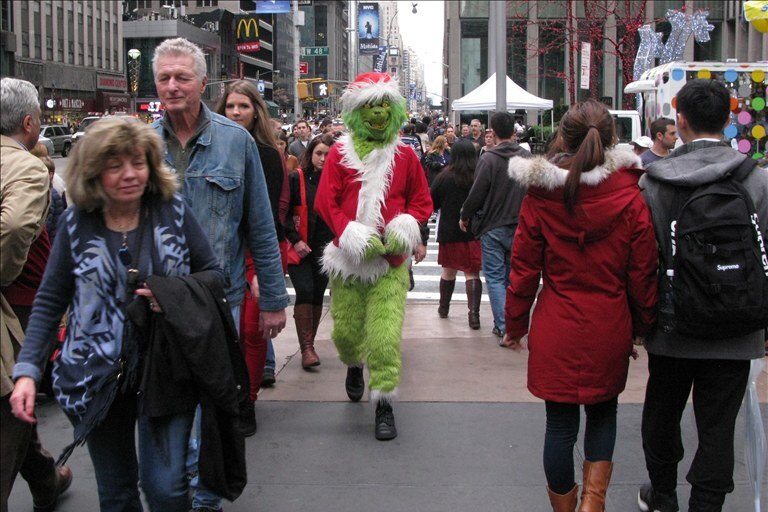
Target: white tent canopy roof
[484, 98]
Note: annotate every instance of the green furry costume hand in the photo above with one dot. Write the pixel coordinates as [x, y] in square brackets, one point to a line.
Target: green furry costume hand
[396, 245]
[374, 249]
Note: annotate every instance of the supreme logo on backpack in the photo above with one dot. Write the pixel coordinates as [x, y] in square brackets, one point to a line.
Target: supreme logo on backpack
[719, 278]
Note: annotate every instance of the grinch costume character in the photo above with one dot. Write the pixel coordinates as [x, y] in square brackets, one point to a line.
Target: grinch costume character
[373, 194]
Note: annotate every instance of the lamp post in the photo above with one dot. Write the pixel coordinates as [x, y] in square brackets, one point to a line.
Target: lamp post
[134, 68]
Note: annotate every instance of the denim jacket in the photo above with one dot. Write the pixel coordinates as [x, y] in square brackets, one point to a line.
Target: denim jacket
[225, 187]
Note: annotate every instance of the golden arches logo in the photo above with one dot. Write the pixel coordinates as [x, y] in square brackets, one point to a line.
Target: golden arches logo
[246, 23]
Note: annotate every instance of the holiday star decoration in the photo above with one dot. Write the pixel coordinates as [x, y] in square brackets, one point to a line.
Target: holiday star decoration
[647, 51]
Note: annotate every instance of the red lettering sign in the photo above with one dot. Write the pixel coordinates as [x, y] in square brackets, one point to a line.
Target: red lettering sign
[248, 47]
[303, 68]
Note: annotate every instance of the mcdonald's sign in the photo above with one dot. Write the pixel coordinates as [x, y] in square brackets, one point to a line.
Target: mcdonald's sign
[247, 33]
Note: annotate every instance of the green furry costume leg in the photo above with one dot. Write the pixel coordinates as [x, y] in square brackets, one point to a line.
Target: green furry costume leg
[368, 324]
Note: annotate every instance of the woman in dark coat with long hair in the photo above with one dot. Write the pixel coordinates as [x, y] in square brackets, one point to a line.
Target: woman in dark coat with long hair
[307, 276]
[459, 250]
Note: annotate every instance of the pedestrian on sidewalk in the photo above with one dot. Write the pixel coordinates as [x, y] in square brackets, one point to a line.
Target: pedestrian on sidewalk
[127, 225]
[492, 209]
[218, 166]
[373, 195]
[308, 235]
[587, 233]
[243, 104]
[25, 250]
[715, 370]
[458, 250]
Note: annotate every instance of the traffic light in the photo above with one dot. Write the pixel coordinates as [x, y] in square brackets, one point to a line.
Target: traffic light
[320, 90]
[303, 89]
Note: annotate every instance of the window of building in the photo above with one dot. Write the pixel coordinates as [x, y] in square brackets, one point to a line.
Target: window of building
[473, 9]
[5, 16]
[552, 62]
[517, 58]
[474, 53]
[207, 3]
[712, 49]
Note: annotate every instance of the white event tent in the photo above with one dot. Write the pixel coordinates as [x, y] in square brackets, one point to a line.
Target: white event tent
[484, 98]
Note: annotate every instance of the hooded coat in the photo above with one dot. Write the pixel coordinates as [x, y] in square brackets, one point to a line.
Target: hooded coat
[685, 169]
[598, 267]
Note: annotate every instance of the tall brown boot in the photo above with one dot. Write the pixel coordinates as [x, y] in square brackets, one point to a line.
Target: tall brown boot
[474, 294]
[596, 477]
[317, 315]
[302, 315]
[446, 292]
[564, 502]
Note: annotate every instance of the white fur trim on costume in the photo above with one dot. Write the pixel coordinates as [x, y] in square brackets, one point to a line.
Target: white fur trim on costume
[375, 174]
[354, 240]
[406, 227]
[388, 397]
[538, 172]
[356, 96]
[337, 264]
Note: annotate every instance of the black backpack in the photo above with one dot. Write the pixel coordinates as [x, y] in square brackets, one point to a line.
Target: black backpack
[714, 284]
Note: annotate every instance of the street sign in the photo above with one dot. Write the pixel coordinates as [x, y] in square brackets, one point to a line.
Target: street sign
[314, 51]
[303, 68]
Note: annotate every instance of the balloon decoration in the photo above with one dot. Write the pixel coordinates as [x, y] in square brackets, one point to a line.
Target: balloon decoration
[747, 128]
[756, 12]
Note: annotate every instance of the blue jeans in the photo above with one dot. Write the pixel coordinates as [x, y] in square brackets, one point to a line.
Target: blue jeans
[162, 454]
[496, 247]
[560, 437]
[202, 497]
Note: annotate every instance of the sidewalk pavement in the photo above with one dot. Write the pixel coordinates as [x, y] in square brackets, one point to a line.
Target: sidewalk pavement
[470, 434]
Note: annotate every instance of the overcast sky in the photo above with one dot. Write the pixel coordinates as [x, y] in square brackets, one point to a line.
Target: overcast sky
[423, 32]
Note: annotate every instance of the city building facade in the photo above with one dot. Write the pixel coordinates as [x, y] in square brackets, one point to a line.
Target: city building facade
[72, 50]
[543, 43]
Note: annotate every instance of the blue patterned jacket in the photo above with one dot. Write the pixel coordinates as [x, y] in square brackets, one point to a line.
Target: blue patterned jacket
[85, 274]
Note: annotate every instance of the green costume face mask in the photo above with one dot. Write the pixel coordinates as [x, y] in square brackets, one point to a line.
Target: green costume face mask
[375, 124]
[375, 118]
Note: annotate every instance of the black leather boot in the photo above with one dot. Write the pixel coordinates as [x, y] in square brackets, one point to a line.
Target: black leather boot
[474, 295]
[355, 383]
[385, 421]
[446, 291]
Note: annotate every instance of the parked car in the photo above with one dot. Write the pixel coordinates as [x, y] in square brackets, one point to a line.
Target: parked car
[84, 124]
[59, 134]
[48, 143]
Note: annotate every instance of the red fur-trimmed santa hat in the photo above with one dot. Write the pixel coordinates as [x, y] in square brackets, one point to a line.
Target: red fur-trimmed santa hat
[369, 87]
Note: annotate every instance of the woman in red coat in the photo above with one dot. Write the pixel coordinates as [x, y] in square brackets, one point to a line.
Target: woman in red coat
[586, 232]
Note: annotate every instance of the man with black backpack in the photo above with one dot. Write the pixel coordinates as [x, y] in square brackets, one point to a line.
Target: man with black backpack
[710, 212]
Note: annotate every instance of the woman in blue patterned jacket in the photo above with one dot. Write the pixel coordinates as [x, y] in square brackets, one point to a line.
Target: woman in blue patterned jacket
[127, 224]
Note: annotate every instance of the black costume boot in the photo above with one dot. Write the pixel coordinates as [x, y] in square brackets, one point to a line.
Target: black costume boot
[385, 421]
[355, 384]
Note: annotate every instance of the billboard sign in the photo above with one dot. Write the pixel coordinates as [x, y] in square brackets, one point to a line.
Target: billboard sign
[368, 28]
[247, 33]
[273, 6]
[380, 60]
